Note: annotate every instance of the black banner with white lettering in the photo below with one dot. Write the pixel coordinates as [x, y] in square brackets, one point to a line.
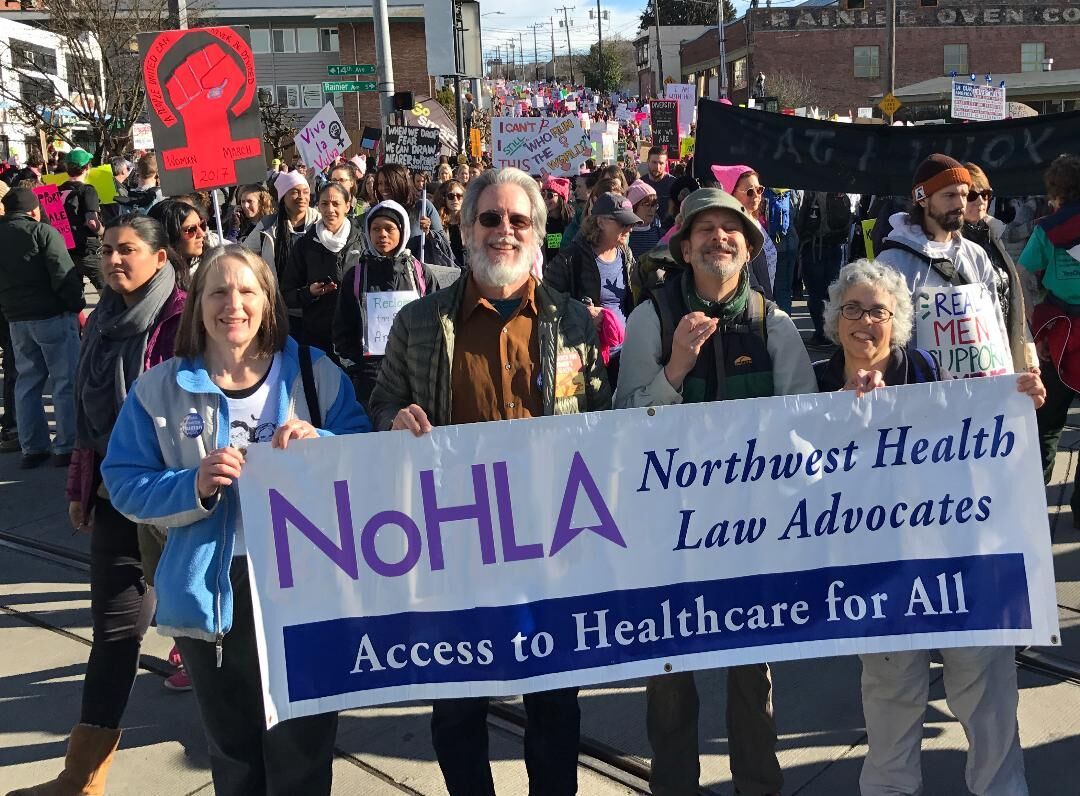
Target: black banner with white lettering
[793, 152]
[416, 148]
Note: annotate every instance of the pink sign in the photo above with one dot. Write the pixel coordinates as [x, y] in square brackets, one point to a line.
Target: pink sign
[52, 210]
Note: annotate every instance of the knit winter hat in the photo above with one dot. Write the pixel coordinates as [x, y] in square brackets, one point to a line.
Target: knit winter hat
[286, 181]
[729, 176]
[20, 200]
[559, 185]
[935, 173]
[638, 190]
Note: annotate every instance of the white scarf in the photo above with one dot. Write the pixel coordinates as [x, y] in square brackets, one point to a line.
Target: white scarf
[332, 241]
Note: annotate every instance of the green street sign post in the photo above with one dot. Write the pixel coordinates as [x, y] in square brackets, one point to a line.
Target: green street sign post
[350, 85]
[341, 70]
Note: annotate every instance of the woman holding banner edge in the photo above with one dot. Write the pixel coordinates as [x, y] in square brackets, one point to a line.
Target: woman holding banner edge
[869, 315]
[173, 461]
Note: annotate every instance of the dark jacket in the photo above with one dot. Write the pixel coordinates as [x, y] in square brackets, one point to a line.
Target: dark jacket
[312, 262]
[420, 355]
[906, 366]
[574, 271]
[37, 277]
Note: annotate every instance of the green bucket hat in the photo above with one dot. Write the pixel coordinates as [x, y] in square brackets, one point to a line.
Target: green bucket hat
[79, 157]
[714, 199]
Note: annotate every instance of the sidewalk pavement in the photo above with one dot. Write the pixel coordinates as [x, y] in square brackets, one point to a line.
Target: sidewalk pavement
[45, 631]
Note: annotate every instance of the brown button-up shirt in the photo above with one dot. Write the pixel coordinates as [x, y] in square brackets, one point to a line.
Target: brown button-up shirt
[496, 363]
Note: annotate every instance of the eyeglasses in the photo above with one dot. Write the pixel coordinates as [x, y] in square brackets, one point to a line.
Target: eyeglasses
[754, 191]
[491, 219]
[189, 232]
[455, 196]
[975, 195]
[855, 312]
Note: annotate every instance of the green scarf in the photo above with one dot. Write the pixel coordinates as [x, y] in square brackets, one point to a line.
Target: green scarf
[726, 311]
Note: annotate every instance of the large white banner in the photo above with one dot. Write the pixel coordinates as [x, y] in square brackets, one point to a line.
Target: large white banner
[501, 558]
[540, 146]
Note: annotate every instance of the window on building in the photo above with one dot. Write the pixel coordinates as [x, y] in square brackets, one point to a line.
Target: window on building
[288, 96]
[83, 77]
[339, 99]
[739, 74]
[1032, 54]
[32, 57]
[5, 147]
[867, 61]
[328, 40]
[311, 93]
[265, 94]
[284, 40]
[37, 90]
[307, 40]
[956, 59]
[260, 41]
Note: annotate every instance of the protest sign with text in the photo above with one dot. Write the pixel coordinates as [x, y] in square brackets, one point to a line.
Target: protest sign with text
[686, 95]
[501, 558]
[961, 327]
[978, 103]
[322, 140]
[52, 211]
[665, 126]
[416, 148]
[540, 146]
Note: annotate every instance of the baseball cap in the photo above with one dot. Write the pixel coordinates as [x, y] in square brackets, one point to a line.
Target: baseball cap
[78, 157]
[616, 206]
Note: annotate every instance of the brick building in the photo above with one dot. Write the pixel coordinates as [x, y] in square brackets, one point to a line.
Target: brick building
[834, 55]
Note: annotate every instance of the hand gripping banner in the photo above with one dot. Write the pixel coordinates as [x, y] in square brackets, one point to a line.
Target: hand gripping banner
[203, 108]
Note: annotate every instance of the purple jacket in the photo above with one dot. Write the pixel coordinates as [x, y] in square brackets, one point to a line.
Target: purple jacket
[83, 476]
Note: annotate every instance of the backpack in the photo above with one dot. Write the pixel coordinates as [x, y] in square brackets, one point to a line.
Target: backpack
[74, 204]
[925, 366]
[830, 217]
[418, 270]
[781, 207]
[740, 348]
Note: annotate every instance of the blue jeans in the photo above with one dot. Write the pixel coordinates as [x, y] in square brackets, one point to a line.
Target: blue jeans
[46, 349]
[821, 267]
[11, 373]
[787, 255]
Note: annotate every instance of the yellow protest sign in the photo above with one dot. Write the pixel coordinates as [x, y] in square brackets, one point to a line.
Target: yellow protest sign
[474, 143]
[101, 177]
[867, 228]
[686, 147]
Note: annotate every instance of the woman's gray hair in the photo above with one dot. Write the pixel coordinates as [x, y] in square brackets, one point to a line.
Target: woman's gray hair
[507, 176]
[880, 277]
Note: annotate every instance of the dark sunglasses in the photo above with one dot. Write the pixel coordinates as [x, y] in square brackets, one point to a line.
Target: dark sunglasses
[189, 232]
[974, 195]
[492, 219]
[455, 196]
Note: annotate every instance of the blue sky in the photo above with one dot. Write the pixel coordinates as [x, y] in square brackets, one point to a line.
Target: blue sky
[514, 17]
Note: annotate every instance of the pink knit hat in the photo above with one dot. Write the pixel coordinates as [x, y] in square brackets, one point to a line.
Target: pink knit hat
[360, 163]
[638, 190]
[559, 185]
[729, 176]
[286, 181]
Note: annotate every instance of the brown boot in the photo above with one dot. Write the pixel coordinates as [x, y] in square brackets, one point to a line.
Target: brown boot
[89, 755]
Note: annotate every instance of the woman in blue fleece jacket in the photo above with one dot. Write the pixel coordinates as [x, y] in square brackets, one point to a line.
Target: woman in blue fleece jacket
[173, 460]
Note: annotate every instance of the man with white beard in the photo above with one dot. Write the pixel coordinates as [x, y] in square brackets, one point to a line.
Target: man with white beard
[706, 335]
[496, 345]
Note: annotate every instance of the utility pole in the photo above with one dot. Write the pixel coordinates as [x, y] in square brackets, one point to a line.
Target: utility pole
[513, 59]
[721, 33]
[599, 46]
[890, 44]
[566, 24]
[554, 61]
[521, 55]
[384, 67]
[536, 59]
[659, 49]
[459, 68]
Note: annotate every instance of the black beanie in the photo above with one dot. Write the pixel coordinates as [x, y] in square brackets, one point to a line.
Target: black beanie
[20, 200]
[384, 212]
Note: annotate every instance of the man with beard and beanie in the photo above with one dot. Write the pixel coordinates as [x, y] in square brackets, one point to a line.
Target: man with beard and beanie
[926, 247]
[707, 336]
[496, 345]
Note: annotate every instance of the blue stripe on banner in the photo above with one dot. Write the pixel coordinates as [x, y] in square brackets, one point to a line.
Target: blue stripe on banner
[557, 635]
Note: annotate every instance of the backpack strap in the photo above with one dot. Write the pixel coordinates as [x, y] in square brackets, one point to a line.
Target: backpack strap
[943, 266]
[420, 280]
[921, 358]
[663, 301]
[311, 395]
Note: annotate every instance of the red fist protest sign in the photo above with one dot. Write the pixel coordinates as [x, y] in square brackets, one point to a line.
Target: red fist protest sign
[200, 85]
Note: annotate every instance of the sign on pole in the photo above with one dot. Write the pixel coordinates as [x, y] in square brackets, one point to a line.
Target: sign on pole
[665, 126]
[334, 87]
[890, 105]
[342, 70]
[540, 146]
[416, 148]
[495, 559]
[978, 103]
[322, 140]
[203, 109]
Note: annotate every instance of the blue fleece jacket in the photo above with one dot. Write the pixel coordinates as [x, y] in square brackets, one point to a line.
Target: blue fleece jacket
[173, 417]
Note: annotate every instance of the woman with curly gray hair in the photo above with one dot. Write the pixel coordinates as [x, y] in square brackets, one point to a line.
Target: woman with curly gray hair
[869, 315]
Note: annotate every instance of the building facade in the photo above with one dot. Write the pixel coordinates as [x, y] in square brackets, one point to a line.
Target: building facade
[650, 80]
[835, 56]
